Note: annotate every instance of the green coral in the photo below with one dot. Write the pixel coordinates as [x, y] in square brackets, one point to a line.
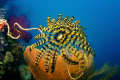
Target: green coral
[25, 72]
[2, 71]
[9, 57]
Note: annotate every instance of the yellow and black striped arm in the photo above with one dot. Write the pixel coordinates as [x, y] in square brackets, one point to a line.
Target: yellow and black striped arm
[53, 61]
[38, 43]
[42, 35]
[39, 55]
[47, 61]
[67, 59]
[74, 51]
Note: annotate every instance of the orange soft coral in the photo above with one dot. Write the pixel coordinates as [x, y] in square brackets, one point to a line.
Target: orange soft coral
[61, 71]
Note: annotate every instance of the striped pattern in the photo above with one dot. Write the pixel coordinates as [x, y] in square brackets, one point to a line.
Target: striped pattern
[42, 35]
[47, 61]
[62, 34]
[53, 62]
[66, 58]
[38, 43]
[39, 55]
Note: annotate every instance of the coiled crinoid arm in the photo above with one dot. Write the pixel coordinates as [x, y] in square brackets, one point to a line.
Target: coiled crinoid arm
[24, 29]
[80, 68]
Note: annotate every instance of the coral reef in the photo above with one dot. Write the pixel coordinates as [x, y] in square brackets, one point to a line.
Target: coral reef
[2, 71]
[25, 23]
[8, 57]
[11, 56]
[11, 61]
[25, 72]
[4, 62]
[3, 42]
[17, 48]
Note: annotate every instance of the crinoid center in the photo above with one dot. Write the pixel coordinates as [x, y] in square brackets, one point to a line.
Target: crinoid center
[60, 36]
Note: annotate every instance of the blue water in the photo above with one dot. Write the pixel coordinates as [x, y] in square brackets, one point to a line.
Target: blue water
[100, 17]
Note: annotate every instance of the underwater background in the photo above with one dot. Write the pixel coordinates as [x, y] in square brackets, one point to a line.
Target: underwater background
[101, 18]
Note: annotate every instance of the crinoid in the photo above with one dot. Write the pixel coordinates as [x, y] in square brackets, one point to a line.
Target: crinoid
[59, 36]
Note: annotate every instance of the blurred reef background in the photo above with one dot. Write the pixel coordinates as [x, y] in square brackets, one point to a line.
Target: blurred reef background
[100, 18]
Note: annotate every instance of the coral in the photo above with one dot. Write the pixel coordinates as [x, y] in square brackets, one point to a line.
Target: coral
[11, 62]
[2, 24]
[25, 72]
[3, 42]
[17, 48]
[25, 23]
[26, 36]
[101, 71]
[111, 72]
[61, 71]
[8, 57]
[2, 70]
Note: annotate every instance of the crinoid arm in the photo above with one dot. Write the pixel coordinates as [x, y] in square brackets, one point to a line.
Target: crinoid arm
[80, 68]
[39, 55]
[38, 43]
[47, 60]
[74, 51]
[53, 61]
[67, 59]
[64, 20]
[42, 35]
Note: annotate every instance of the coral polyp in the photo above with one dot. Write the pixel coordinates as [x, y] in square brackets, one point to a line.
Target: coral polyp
[59, 36]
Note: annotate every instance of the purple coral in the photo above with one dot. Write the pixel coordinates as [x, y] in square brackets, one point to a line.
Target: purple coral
[25, 23]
